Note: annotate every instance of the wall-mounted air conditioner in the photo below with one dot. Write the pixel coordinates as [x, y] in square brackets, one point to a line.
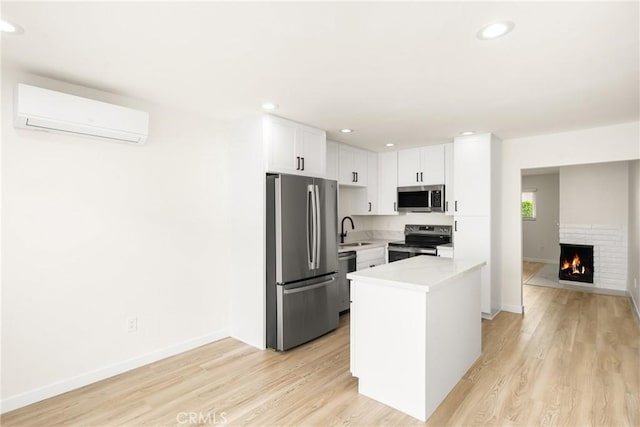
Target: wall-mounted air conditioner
[48, 110]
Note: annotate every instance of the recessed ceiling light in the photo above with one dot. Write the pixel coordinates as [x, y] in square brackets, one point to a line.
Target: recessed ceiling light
[467, 132]
[495, 30]
[390, 144]
[10, 27]
[346, 130]
[269, 106]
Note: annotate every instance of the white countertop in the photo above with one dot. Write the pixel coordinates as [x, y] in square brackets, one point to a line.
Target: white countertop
[422, 273]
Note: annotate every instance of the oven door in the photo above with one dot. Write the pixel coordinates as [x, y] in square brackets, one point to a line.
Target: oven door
[396, 253]
[413, 199]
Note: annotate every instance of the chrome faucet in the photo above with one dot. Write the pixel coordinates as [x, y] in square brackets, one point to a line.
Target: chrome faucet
[343, 233]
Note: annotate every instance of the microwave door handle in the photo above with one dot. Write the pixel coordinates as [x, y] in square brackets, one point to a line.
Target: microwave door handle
[310, 227]
[316, 255]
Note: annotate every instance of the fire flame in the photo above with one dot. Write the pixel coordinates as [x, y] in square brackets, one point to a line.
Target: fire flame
[574, 265]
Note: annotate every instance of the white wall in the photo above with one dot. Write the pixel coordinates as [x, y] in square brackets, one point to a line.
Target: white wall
[603, 144]
[540, 236]
[95, 232]
[595, 194]
[634, 234]
[247, 227]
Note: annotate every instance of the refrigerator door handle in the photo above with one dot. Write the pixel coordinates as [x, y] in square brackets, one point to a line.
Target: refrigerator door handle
[308, 288]
[310, 227]
[316, 256]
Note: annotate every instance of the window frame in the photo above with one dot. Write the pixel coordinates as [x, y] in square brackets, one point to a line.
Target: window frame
[534, 201]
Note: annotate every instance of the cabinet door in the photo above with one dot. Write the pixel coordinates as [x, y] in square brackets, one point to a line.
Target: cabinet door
[353, 166]
[432, 165]
[312, 150]
[345, 168]
[449, 188]
[280, 136]
[388, 183]
[372, 183]
[409, 167]
[471, 173]
[333, 157]
[361, 166]
[471, 240]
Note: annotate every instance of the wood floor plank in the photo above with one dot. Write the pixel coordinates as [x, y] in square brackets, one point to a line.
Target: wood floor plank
[572, 359]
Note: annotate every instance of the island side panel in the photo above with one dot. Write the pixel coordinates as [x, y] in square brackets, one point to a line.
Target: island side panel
[388, 339]
[454, 335]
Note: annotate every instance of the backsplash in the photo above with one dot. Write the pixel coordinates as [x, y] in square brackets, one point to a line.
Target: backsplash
[364, 235]
[381, 226]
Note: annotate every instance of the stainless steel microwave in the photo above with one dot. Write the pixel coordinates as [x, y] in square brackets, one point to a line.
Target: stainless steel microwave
[421, 198]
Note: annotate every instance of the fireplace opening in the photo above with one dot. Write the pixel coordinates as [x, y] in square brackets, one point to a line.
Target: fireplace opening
[576, 263]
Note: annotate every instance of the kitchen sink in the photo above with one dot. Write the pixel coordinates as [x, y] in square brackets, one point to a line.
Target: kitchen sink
[350, 245]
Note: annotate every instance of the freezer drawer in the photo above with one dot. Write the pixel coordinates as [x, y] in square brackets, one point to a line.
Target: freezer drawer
[306, 311]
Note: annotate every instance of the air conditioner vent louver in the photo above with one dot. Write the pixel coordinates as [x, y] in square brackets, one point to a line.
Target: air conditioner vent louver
[48, 110]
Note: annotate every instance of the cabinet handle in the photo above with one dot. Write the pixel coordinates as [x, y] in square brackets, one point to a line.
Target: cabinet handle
[455, 225]
[353, 177]
[298, 163]
[455, 206]
[369, 206]
[446, 206]
[395, 206]
[356, 176]
[302, 163]
[421, 180]
[417, 180]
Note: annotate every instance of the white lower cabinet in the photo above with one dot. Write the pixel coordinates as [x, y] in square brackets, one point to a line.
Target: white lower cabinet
[445, 251]
[367, 258]
[472, 240]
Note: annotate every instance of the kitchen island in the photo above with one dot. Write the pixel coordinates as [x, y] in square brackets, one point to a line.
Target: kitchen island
[415, 330]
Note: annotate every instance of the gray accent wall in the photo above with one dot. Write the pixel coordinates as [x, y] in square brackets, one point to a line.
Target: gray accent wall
[540, 238]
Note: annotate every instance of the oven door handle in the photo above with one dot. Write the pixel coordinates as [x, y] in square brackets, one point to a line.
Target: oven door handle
[413, 250]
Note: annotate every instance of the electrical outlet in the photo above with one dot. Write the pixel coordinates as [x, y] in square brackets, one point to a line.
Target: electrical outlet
[132, 324]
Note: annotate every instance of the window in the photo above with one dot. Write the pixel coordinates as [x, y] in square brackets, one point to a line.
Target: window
[529, 204]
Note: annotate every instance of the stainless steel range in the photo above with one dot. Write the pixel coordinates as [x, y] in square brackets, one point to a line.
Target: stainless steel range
[420, 240]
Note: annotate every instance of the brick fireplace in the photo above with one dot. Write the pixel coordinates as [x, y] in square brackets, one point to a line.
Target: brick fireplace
[610, 254]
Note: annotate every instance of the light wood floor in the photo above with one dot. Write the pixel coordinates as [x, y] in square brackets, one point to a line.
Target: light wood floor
[573, 359]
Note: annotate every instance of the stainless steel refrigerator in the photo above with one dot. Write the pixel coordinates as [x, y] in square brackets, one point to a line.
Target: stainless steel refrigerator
[302, 259]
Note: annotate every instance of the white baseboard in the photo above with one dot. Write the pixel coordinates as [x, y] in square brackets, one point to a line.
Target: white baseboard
[29, 397]
[545, 261]
[490, 316]
[518, 309]
[635, 306]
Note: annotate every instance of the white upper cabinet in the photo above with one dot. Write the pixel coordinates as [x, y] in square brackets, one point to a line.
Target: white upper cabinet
[333, 158]
[353, 166]
[409, 167]
[365, 200]
[432, 164]
[294, 148]
[471, 171]
[388, 183]
[421, 166]
[449, 188]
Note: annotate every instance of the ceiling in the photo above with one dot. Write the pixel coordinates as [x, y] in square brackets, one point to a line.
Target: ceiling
[406, 73]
